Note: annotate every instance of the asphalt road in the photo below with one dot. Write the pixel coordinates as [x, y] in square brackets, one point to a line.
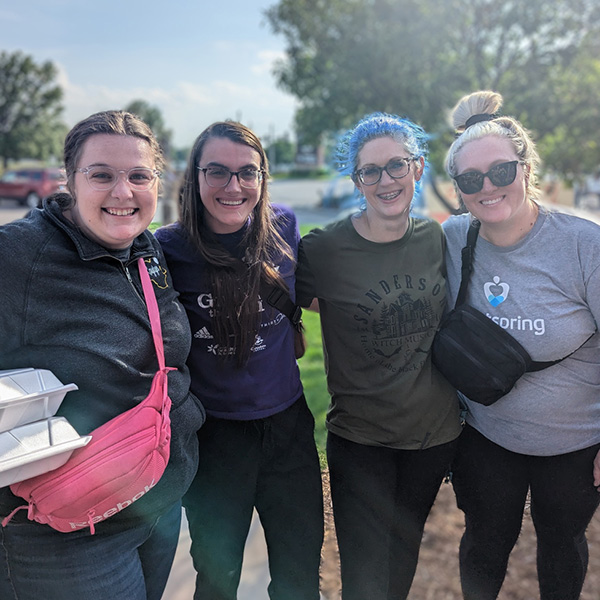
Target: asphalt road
[10, 210]
[302, 196]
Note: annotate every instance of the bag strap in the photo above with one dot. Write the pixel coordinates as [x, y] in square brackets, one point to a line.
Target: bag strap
[465, 273]
[467, 254]
[281, 300]
[538, 366]
[153, 312]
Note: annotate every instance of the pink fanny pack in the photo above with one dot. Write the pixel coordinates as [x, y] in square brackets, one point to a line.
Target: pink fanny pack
[124, 460]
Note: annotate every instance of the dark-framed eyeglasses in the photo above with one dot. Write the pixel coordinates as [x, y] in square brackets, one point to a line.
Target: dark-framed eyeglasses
[103, 178]
[249, 177]
[500, 175]
[397, 168]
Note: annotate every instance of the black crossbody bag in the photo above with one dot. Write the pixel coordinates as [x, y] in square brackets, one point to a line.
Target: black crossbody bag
[477, 356]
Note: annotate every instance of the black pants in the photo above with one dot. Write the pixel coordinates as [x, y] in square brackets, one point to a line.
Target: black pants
[271, 464]
[381, 499]
[491, 485]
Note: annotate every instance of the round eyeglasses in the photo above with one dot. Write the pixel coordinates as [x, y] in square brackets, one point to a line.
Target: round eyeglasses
[500, 175]
[397, 168]
[104, 178]
[248, 178]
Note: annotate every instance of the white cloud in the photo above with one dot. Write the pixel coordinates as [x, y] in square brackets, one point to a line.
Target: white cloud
[267, 61]
[188, 107]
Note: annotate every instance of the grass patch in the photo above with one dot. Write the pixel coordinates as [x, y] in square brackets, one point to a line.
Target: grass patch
[312, 371]
[312, 374]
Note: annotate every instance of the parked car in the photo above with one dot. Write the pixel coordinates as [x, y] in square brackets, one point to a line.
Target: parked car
[339, 193]
[31, 185]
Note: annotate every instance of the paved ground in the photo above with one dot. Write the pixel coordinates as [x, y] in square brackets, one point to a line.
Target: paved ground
[255, 573]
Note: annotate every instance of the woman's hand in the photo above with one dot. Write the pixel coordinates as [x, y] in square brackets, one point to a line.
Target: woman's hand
[597, 470]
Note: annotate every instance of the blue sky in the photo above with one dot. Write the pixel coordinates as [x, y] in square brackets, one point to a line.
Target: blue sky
[198, 61]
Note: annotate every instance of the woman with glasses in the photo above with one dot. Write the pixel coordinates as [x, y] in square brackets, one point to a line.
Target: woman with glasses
[392, 425]
[536, 273]
[71, 301]
[229, 250]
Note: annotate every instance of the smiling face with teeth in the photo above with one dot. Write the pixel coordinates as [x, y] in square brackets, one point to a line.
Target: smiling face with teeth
[496, 207]
[113, 218]
[227, 208]
[388, 199]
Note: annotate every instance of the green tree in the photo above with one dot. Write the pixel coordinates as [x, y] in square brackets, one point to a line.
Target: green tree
[30, 109]
[281, 151]
[152, 116]
[417, 57]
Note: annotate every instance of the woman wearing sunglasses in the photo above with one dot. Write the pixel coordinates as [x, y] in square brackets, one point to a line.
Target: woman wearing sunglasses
[227, 252]
[392, 425]
[536, 273]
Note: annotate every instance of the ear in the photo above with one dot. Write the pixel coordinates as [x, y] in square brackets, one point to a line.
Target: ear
[419, 168]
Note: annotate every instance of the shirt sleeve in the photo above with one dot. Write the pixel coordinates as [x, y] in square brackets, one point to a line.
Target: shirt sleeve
[306, 289]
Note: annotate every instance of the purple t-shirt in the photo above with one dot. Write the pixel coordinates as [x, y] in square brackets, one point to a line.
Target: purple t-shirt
[270, 381]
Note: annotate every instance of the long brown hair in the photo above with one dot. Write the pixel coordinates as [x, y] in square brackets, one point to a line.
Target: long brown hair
[235, 284]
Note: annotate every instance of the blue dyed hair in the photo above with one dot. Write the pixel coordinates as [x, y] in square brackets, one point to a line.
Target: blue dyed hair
[378, 125]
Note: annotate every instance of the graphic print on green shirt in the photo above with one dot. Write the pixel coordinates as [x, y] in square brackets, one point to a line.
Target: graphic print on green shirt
[380, 305]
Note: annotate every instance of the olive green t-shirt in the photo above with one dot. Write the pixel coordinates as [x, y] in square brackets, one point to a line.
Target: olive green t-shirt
[380, 305]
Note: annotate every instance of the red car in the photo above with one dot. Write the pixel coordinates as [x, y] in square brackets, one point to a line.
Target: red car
[31, 185]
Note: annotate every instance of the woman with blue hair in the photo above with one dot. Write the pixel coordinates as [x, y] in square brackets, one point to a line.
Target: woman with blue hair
[393, 421]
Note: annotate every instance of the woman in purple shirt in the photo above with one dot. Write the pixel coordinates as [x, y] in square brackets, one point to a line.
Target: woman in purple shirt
[257, 447]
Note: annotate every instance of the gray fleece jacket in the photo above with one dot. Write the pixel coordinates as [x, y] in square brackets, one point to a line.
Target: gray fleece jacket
[69, 305]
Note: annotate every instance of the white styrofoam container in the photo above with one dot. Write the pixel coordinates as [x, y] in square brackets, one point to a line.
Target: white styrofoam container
[28, 395]
[37, 448]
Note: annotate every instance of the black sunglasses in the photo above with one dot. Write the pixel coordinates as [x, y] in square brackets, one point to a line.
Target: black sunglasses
[500, 175]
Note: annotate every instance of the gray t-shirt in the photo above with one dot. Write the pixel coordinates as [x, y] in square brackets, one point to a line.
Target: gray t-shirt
[545, 291]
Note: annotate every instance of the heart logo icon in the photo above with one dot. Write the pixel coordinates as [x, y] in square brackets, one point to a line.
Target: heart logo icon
[493, 298]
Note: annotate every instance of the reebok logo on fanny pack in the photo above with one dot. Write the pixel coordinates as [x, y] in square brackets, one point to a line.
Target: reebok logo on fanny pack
[113, 511]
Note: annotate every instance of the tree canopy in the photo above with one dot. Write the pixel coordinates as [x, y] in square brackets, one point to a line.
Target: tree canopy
[345, 58]
[152, 116]
[30, 109]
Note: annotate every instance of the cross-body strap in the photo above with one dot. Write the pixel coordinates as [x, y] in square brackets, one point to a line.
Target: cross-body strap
[153, 313]
[539, 365]
[465, 274]
[467, 261]
[281, 300]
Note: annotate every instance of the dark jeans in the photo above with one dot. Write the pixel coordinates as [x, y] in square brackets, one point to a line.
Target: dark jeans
[491, 485]
[381, 499]
[41, 563]
[271, 464]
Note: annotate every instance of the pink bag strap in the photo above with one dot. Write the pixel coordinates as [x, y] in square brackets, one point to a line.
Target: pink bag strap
[153, 313]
